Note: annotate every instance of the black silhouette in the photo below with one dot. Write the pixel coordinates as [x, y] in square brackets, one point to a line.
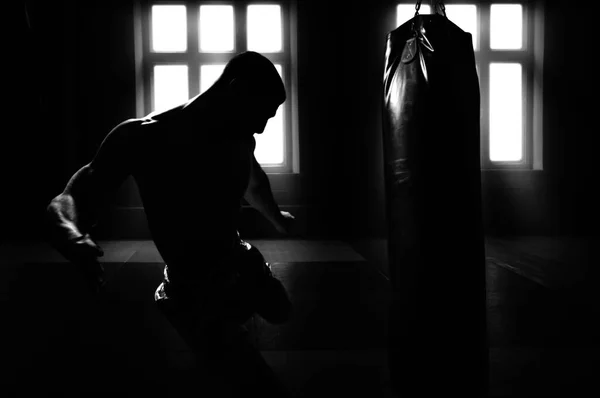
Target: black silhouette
[193, 164]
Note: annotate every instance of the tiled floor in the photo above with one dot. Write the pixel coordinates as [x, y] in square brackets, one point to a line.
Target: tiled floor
[144, 251]
[554, 262]
[542, 309]
[54, 325]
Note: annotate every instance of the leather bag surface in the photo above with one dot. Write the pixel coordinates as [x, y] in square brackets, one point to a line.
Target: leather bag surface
[431, 135]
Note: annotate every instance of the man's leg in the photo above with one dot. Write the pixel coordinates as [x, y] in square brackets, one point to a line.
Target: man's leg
[230, 364]
[257, 283]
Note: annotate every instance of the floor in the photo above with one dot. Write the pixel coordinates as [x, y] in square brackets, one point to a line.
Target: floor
[541, 313]
[543, 309]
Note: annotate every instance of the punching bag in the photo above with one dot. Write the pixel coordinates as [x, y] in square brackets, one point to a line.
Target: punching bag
[431, 119]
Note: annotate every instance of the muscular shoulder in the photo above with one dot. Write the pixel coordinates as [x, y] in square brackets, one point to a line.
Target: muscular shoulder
[115, 151]
[122, 136]
[169, 115]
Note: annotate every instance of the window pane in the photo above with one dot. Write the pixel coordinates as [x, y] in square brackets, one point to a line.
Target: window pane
[506, 112]
[506, 26]
[465, 16]
[405, 12]
[170, 86]
[264, 28]
[216, 28]
[169, 30]
[270, 145]
[209, 74]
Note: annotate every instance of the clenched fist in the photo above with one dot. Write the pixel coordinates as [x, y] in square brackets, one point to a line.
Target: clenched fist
[83, 252]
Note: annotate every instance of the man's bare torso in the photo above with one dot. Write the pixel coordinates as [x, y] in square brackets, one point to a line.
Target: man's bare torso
[191, 180]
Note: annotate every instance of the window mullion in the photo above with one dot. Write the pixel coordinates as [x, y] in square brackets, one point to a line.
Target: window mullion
[292, 83]
[288, 153]
[510, 56]
[484, 82]
[527, 109]
[149, 88]
[193, 48]
[168, 58]
[142, 32]
[276, 58]
[528, 81]
[240, 12]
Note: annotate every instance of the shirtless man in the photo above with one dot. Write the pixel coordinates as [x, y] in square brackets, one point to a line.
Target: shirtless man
[192, 165]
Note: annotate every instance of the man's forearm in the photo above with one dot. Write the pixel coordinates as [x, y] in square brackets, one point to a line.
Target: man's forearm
[75, 210]
[69, 236]
[63, 222]
[261, 198]
[69, 215]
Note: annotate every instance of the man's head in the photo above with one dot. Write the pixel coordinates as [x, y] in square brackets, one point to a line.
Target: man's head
[253, 88]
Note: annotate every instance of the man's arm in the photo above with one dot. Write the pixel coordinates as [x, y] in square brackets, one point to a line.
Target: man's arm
[72, 214]
[260, 196]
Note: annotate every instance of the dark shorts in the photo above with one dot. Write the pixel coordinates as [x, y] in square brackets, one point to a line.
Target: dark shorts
[215, 307]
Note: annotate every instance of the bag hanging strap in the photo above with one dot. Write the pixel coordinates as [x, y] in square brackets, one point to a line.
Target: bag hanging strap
[435, 7]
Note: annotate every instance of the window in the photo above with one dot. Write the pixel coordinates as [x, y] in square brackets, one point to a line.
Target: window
[508, 46]
[182, 48]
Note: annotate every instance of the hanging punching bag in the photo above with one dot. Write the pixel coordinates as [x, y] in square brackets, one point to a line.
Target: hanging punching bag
[431, 116]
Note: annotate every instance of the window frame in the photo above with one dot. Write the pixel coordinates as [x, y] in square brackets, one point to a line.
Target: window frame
[194, 58]
[530, 56]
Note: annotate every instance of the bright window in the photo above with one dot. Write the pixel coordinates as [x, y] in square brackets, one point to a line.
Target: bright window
[168, 28]
[506, 27]
[170, 85]
[264, 28]
[507, 52]
[182, 49]
[217, 28]
[506, 111]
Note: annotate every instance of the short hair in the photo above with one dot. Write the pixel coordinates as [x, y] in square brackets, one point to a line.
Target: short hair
[257, 71]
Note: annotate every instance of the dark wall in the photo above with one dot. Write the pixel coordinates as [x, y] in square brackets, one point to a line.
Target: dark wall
[571, 139]
[75, 79]
[38, 143]
[72, 82]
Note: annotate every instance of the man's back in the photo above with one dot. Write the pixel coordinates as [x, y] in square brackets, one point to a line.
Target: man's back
[191, 177]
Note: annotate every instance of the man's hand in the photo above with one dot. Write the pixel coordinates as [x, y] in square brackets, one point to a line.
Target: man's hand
[286, 223]
[77, 248]
[84, 252]
[260, 196]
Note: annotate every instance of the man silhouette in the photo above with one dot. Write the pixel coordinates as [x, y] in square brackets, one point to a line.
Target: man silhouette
[192, 165]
